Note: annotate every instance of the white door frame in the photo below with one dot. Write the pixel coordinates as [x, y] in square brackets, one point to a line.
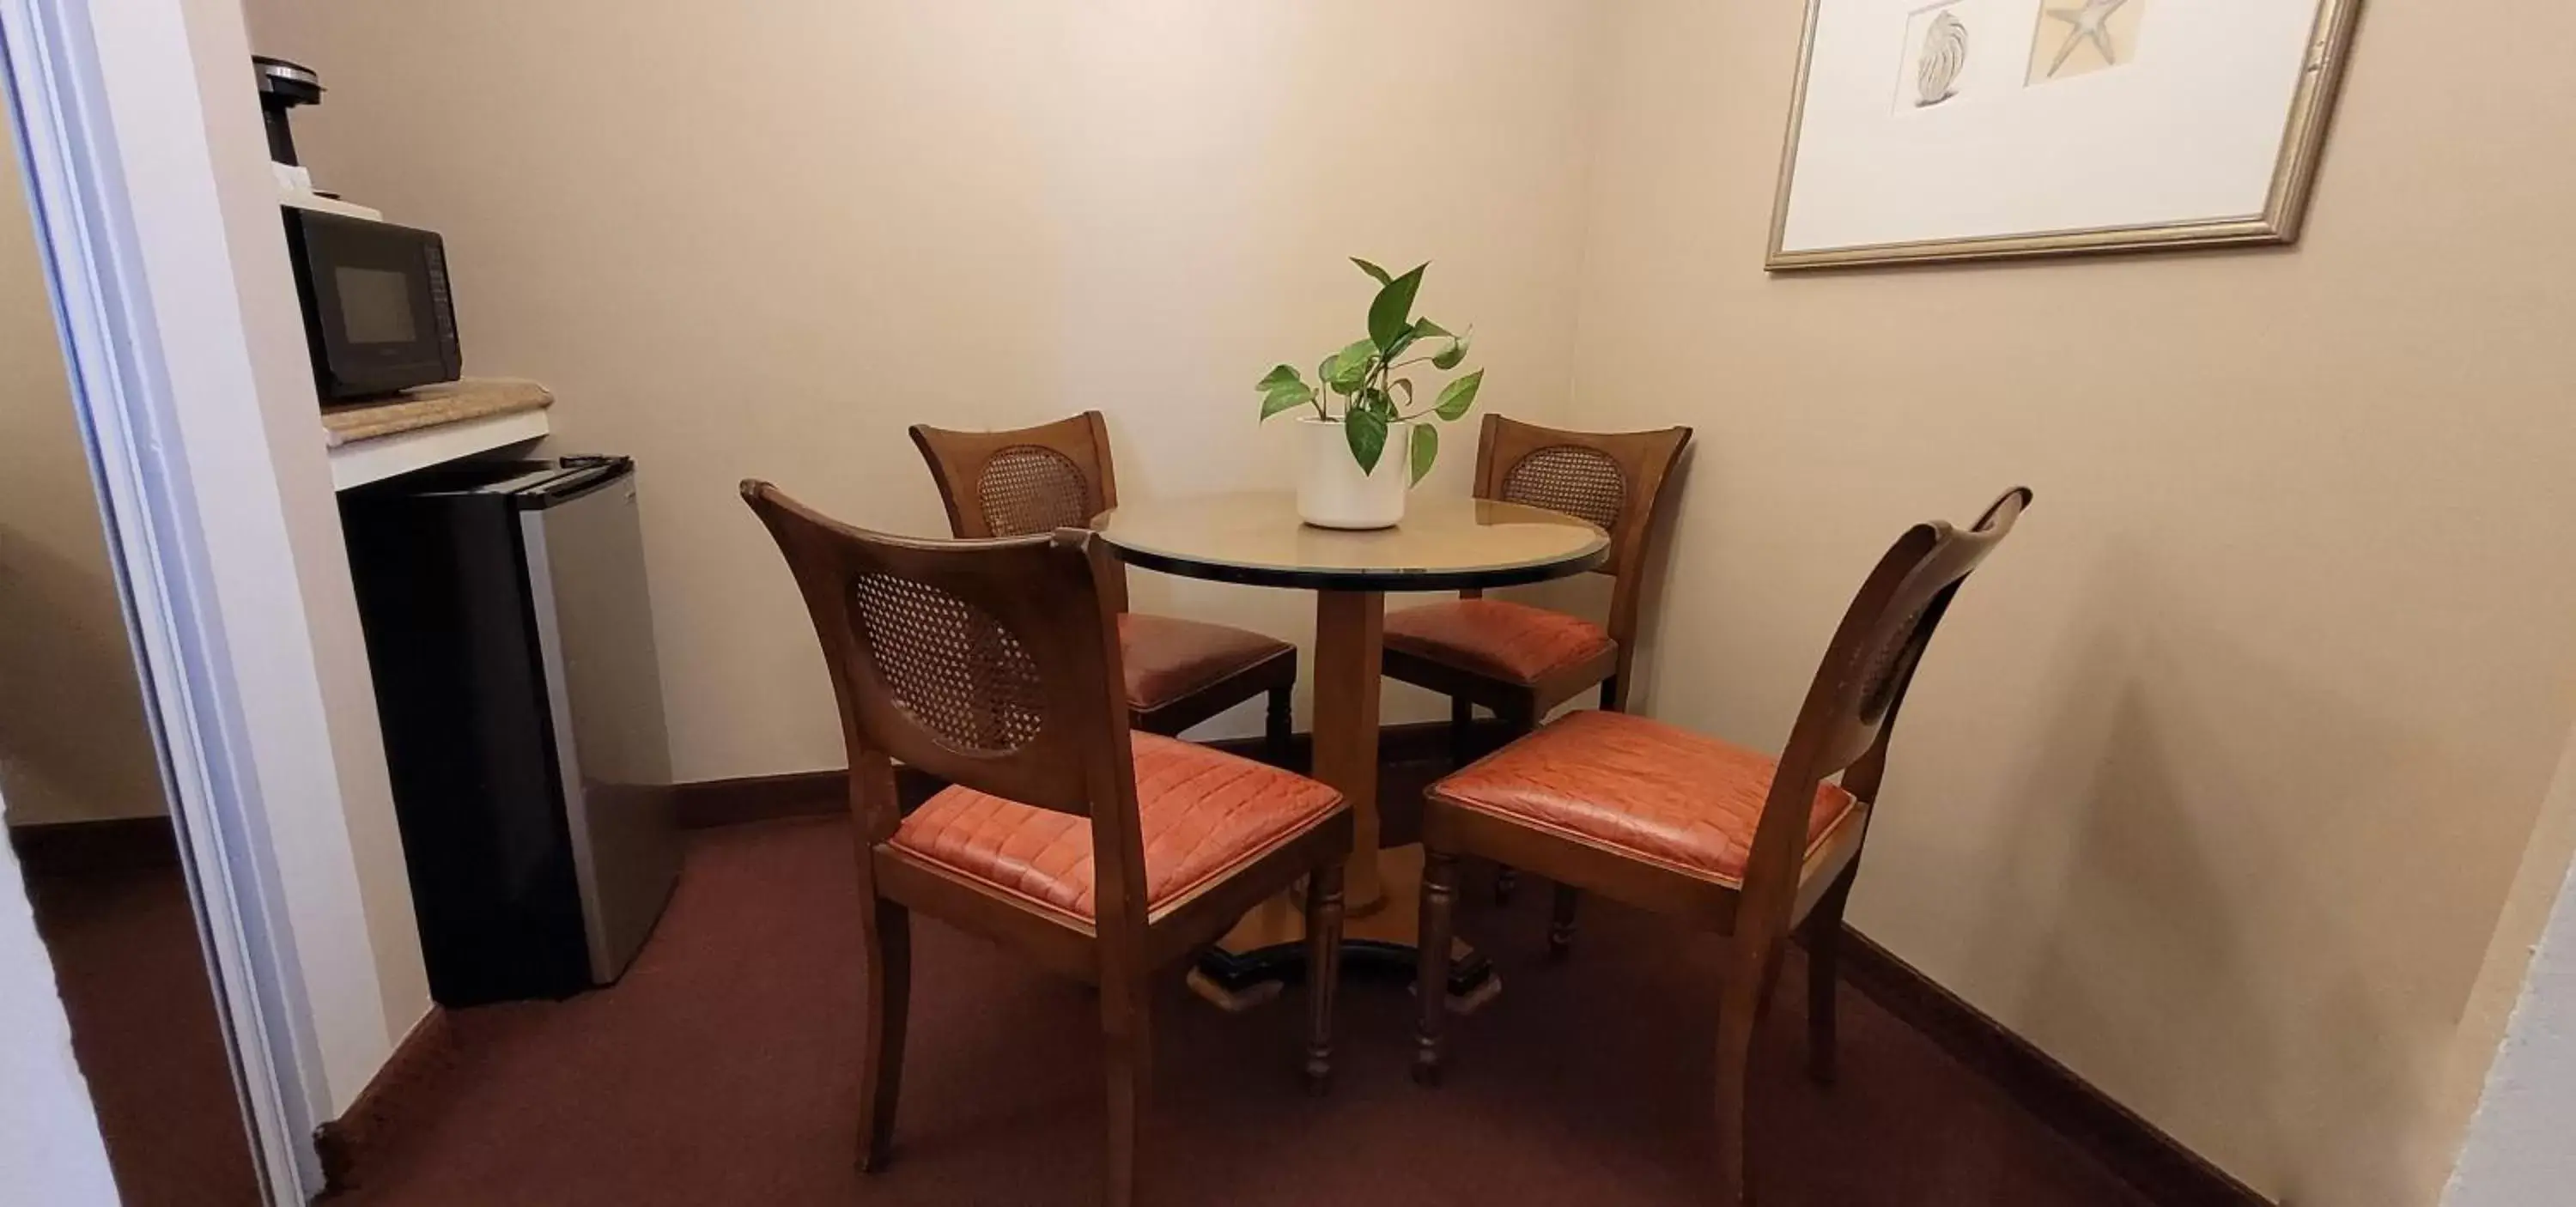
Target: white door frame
[2521, 1145]
[106, 96]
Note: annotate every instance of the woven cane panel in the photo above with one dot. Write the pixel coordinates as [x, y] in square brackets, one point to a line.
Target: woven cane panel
[950, 666]
[1885, 662]
[1029, 488]
[1570, 478]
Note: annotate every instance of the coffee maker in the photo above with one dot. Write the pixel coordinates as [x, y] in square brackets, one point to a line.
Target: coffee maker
[283, 86]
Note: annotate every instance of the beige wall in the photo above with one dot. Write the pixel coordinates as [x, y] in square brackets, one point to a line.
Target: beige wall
[2217, 780]
[761, 242]
[2517, 1148]
[2512, 976]
[2222, 775]
[74, 745]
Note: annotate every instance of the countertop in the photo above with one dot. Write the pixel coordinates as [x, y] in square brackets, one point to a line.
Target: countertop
[431, 406]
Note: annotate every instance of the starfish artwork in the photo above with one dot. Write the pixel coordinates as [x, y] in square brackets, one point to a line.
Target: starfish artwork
[2089, 23]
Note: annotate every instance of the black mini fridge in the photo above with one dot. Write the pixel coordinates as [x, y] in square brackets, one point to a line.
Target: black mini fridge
[511, 641]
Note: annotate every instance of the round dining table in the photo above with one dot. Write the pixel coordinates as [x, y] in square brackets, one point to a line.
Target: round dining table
[1443, 544]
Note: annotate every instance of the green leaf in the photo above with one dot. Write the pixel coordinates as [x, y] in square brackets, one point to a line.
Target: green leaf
[1282, 389]
[1405, 384]
[1426, 450]
[1374, 271]
[1460, 395]
[1450, 357]
[1391, 315]
[1346, 369]
[1425, 329]
[1366, 431]
[1286, 398]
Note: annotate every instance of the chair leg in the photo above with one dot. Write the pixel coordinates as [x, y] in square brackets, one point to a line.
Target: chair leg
[1560, 925]
[1127, 1028]
[1560, 931]
[1462, 733]
[1323, 971]
[1279, 734]
[1824, 957]
[1431, 990]
[1517, 723]
[887, 943]
[1748, 976]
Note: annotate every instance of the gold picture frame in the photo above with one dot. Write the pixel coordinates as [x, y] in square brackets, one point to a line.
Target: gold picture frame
[2285, 208]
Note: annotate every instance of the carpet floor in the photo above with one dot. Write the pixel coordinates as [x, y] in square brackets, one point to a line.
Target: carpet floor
[722, 1071]
[144, 1029]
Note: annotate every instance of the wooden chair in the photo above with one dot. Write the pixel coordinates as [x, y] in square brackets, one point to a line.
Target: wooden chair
[1521, 661]
[1104, 855]
[1720, 837]
[1059, 475]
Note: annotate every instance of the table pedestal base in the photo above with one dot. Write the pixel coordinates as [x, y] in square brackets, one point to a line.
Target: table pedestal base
[1266, 951]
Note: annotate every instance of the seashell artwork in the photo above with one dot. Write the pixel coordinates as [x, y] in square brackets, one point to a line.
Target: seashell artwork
[1937, 130]
[1945, 55]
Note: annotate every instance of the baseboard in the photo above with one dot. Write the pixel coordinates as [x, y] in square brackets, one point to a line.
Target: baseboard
[753, 798]
[706, 803]
[2155, 1164]
[349, 1144]
[87, 847]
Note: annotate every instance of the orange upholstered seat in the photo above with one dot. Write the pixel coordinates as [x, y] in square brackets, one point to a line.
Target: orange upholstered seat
[1640, 787]
[1069, 830]
[1200, 814]
[1754, 848]
[1499, 639]
[1167, 658]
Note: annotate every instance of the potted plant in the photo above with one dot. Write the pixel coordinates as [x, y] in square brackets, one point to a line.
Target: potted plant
[1363, 404]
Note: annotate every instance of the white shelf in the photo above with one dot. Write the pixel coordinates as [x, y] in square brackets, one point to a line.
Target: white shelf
[360, 462]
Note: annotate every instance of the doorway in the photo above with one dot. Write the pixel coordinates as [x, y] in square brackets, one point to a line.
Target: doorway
[82, 792]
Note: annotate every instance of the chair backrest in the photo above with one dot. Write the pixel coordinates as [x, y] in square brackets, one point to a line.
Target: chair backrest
[1850, 711]
[990, 664]
[1030, 480]
[1026, 480]
[1614, 479]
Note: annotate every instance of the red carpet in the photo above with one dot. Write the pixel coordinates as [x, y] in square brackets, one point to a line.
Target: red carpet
[721, 1072]
[134, 984]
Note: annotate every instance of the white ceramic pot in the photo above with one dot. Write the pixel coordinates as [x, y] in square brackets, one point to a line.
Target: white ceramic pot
[1331, 490]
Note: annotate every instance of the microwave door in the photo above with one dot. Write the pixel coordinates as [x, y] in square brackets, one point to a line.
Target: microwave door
[376, 308]
[376, 297]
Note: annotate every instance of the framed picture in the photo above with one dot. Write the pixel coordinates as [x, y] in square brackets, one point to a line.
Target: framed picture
[1963, 129]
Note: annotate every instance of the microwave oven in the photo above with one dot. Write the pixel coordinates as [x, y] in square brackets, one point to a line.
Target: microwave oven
[377, 313]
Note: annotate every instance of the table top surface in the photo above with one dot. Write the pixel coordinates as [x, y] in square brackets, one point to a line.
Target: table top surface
[1445, 543]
